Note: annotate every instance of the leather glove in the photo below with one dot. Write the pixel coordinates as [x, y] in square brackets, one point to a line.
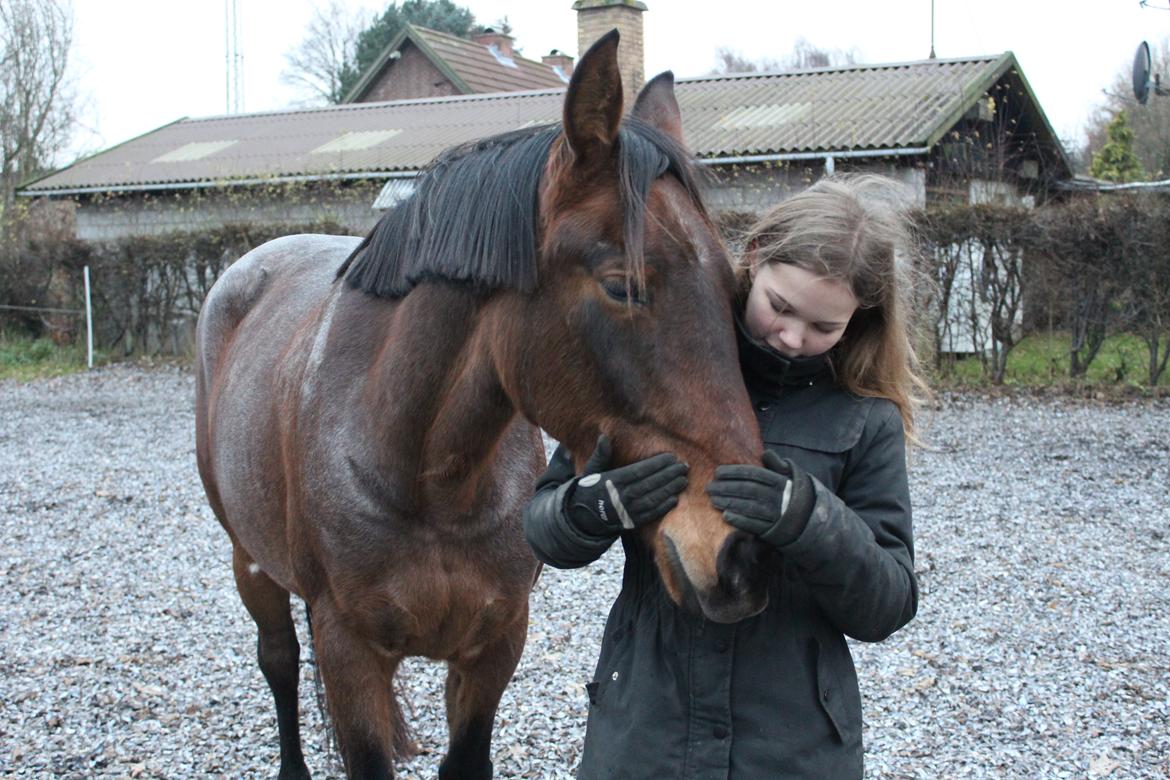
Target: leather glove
[773, 503]
[604, 501]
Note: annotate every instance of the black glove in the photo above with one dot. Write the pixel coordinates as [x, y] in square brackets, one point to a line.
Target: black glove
[604, 501]
[773, 503]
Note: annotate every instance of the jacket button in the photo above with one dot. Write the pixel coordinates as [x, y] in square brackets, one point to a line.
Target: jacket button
[721, 645]
[720, 732]
[763, 406]
[824, 695]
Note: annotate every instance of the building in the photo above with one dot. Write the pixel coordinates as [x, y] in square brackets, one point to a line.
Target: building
[421, 63]
[965, 128]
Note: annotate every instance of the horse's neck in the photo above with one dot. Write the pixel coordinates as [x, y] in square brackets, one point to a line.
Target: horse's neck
[435, 375]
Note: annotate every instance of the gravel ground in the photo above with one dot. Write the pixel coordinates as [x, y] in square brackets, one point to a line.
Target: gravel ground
[1041, 649]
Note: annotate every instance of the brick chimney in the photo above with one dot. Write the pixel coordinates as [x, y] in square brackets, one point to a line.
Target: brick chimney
[502, 41]
[597, 17]
[560, 62]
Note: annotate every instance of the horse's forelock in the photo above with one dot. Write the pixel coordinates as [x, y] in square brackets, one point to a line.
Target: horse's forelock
[644, 155]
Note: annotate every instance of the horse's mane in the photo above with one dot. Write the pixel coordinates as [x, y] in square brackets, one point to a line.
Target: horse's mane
[473, 215]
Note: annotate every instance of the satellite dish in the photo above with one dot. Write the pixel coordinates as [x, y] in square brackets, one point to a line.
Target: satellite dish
[1141, 73]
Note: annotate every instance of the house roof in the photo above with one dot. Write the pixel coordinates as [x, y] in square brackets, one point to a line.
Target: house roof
[470, 66]
[873, 110]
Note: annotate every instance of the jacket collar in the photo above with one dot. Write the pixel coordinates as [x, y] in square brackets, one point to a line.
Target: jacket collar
[766, 366]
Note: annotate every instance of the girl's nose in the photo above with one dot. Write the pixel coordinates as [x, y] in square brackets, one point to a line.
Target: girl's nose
[791, 337]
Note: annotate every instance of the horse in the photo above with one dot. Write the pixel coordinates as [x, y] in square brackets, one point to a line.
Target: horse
[368, 413]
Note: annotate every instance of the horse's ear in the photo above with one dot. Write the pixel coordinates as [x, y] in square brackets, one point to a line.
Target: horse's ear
[593, 103]
[657, 106]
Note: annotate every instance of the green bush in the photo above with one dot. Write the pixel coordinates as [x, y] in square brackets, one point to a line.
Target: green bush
[146, 290]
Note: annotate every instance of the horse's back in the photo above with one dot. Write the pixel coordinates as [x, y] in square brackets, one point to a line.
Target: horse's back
[300, 269]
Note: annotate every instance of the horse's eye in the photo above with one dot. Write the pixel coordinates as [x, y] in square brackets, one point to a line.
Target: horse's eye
[617, 288]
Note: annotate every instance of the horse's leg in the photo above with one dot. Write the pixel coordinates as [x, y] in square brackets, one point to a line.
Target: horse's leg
[279, 654]
[359, 691]
[474, 688]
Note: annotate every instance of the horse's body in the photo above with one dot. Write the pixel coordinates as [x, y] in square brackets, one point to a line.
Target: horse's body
[369, 443]
[320, 497]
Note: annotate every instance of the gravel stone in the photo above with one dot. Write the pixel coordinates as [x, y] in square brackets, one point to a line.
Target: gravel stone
[1041, 647]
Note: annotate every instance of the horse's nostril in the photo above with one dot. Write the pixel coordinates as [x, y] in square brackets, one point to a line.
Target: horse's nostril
[741, 563]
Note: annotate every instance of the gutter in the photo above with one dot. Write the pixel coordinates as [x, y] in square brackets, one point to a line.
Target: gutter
[203, 185]
[828, 157]
[1094, 185]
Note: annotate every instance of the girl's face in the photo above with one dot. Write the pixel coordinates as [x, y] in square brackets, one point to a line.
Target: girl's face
[796, 312]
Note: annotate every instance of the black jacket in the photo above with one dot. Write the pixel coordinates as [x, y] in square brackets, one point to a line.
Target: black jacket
[773, 696]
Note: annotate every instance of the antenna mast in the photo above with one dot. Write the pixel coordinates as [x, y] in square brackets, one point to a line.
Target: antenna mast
[234, 58]
[932, 29]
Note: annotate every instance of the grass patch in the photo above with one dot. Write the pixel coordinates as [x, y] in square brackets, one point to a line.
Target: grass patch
[1041, 360]
[23, 358]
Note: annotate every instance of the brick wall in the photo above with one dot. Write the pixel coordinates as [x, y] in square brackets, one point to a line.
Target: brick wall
[411, 76]
[592, 23]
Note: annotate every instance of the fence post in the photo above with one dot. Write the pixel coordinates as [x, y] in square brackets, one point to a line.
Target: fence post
[88, 321]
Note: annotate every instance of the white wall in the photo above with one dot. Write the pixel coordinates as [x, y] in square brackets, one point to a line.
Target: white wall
[118, 216]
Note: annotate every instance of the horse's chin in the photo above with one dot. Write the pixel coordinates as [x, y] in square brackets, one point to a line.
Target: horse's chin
[713, 603]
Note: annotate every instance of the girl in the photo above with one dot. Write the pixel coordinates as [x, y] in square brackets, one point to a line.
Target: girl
[828, 363]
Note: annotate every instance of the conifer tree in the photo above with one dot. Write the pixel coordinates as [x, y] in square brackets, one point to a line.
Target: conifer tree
[1116, 161]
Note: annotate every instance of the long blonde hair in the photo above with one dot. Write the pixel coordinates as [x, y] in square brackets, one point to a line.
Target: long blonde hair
[854, 228]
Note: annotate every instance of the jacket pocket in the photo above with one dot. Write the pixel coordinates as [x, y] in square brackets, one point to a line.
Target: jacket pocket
[612, 664]
[818, 443]
[835, 425]
[837, 692]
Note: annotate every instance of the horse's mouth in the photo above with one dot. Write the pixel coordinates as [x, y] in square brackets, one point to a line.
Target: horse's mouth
[690, 599]
[715, 604]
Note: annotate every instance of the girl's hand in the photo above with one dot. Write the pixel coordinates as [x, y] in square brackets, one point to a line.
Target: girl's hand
[605, 501]
[773, 503]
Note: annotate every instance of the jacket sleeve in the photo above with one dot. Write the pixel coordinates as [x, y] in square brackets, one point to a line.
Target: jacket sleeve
[856, 554]
[551, 535]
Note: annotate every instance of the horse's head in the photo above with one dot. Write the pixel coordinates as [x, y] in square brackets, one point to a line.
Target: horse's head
[629, 330]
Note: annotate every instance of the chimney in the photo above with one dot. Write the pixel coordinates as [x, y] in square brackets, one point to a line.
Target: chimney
[502, 41]
[560, 62]
[597, 17]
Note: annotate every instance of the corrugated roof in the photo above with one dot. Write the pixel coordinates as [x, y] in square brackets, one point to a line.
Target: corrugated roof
[832, 109]
[903, 106]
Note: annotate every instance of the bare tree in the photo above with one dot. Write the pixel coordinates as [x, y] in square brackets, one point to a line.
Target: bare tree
[316, 66]
[729, 60]
[804, 55]
[37, 95]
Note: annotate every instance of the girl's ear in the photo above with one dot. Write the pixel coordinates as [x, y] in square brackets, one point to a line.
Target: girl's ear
[751, 258]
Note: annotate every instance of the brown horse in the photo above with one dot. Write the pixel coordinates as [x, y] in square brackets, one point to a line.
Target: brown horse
[367, 413]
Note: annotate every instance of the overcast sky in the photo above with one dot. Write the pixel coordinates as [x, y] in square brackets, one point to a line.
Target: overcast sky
[144, 63]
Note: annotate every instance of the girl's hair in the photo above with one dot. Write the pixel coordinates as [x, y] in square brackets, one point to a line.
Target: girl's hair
[854, 228]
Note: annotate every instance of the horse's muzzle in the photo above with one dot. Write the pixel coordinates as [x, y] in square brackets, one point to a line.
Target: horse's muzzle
[740, 589]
